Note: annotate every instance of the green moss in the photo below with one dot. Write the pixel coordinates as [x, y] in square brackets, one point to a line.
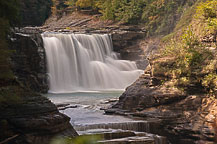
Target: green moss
[85, 139]
[11, 95]
[5, 70]
[8, 16]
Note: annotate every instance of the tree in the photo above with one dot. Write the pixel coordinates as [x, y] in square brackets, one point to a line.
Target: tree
[8, 17]
[85, 4]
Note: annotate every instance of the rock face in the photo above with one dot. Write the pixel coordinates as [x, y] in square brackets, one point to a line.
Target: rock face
[34, 12]
[183, 118]
[145, 94]
[126, 42]
[126, 39]
[129, 42]
[28, 60]
[34, 119]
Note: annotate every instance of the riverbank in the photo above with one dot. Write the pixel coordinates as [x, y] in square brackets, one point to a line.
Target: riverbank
[86, 110]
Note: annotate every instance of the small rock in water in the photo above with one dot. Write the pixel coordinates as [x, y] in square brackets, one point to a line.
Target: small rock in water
[62, 105]
[66, 106]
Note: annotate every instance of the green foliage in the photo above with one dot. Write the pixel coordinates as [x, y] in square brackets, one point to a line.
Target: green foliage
[186, 18]
[84, 4]
[190, 63]
[160, 16]
[8, 16]
[210, 82]
[107, 8]
[92, 139]
[125, 11]
[130, 12]
[11, 95]
[207, 14]
[9, 10]
[70, 2]
[194, 63]
[5, 72]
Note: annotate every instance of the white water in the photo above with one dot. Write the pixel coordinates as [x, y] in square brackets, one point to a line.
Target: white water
[80, 62]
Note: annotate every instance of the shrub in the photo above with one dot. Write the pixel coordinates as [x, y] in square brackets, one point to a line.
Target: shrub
[124, 11]
[85, 4]
[160, 16]
[207, 14]
[192, 63]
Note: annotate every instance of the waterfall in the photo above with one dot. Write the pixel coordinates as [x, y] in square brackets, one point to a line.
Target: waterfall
[81, 62]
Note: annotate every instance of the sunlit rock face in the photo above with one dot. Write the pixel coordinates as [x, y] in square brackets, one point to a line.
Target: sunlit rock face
[78, 62]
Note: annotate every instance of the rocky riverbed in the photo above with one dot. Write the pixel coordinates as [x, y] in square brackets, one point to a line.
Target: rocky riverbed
[87, 117]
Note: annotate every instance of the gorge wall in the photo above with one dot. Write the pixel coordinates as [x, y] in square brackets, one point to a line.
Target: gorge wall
[182, 118]
[31, 118]
[29, 60]
[27, 117]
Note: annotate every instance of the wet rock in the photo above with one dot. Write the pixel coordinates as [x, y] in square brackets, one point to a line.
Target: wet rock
[28, 59]
[122, 133]
[67, 107]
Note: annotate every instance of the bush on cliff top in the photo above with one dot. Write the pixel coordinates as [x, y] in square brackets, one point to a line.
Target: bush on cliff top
[192, 62]
[125, 11]
[158, 16]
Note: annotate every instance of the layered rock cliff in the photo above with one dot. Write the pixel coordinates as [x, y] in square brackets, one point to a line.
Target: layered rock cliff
[29, 60]
[29, 118]
[182, 118]
[185, 115]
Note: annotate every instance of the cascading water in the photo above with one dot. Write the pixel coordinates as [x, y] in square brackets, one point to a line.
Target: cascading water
[80, 62]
